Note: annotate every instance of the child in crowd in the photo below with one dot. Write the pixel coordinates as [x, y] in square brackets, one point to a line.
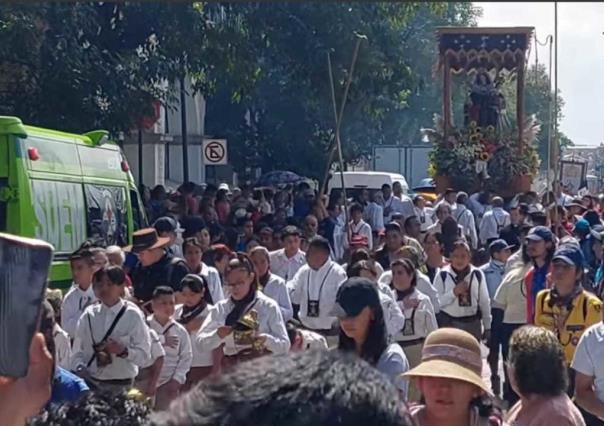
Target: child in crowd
[81, 294]
[148, 375]
[177, 345]
[61, 338]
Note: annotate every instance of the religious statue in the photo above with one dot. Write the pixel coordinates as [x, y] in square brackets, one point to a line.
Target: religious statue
[484, 103]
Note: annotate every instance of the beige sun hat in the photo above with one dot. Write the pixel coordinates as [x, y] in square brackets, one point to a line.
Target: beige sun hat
[453, 354]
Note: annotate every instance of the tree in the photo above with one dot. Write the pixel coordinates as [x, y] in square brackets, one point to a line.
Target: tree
[538, 101]
[286, 121]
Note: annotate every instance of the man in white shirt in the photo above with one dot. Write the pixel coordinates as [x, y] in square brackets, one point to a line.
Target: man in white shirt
[177, 346]
[444, 211]
[287, 261]
[80, 295]
[112, 338]
[314, 289]
[394, 204]
[589, 379]
[374, 212]
[423, 213]
[465, 218]
[493, 222]
[358, 227]
[407, 204]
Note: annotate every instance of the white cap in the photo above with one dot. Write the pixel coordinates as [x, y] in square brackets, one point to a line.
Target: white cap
[224, 186]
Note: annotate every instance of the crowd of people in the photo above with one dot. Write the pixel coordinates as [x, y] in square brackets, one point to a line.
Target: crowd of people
[202, 312]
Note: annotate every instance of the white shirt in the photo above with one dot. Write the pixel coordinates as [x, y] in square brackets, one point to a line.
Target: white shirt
[157, 350]
[276, 289]
[177, 361]
[589, 355]
[285, 267]
[393, 316]
[74, 303]
[437, 227]
[131, 331]
[423, 285]
[398, 205]
[270, 324]
[419, 321]
[479, 295]
[201, 357]
[62, 347]
[425, 217]
[393, 363]
[374, 215]
[510, 295]
[322, 286]
[312, 340]
[212, 276]
[492, 223]
[465, 218]
[361, 228]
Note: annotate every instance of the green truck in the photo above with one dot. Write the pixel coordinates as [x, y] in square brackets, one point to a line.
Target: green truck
[65, 188]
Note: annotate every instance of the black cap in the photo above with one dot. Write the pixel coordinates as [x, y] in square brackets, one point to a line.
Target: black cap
[355, 294]
[165, 224]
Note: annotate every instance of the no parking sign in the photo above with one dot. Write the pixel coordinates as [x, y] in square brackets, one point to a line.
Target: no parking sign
[215, 152]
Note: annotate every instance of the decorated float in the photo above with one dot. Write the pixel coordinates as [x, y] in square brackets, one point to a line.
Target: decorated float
[490, 147]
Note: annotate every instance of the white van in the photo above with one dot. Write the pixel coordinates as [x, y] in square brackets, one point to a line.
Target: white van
[357, 181]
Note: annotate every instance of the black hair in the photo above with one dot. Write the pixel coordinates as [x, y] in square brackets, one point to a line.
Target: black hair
[83, 253]
[376, 341]
[115, 274]
[356, 207]
[384, 186]
[592, 217]
[319, 243]
[360, 254]
[310, 388]
[538, 218]
[292, 331]
[162, 290]
[96, 409]
[409, 267]
[407, 223]
[197, 283]
[354, 270]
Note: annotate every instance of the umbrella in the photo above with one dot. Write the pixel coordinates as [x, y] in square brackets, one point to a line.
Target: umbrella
[279, 177]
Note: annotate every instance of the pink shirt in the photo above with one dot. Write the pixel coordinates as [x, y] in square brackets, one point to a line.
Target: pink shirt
[547, 411]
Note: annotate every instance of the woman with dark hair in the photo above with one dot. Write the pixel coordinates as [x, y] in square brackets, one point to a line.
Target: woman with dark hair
[271, 285]
[463, 294]
[435, 260]
[193, 253]
[450, 234]
[537, 372]
[420, 319]
[197, 300]
[218, 257]
[246, 325]
[363, 254]
[363, 330]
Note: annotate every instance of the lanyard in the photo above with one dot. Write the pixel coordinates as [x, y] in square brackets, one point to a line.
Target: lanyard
[322, 283]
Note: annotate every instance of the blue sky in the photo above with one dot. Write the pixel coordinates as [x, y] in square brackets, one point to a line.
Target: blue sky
[580, 57]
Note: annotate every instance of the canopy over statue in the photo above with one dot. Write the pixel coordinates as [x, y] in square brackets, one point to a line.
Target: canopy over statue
[489, 149]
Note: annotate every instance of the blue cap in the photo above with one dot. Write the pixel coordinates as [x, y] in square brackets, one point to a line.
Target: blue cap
[571, 255]
[582, 226]
[498, 245]
[540, 233]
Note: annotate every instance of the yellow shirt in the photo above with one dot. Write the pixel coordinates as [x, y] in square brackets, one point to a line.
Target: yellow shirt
[568, 325]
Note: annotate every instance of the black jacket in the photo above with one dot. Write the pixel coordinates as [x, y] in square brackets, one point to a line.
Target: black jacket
[169, 271]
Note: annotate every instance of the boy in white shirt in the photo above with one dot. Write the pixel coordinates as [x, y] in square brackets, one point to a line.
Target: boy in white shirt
[81, 295]
[177, 345]
[111, 338]
[358, 226]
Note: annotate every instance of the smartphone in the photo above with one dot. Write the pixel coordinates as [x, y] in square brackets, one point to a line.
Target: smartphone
[24, 266]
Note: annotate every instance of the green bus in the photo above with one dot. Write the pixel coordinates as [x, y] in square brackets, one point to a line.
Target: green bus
[65, 188]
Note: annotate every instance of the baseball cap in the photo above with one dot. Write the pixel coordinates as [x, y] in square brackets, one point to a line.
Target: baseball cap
[498, 245]
[571, 255]
[166, 224]
[353, 296]
[540, 233]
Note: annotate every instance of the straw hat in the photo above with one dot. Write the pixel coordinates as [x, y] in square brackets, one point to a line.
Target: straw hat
[453, 354]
